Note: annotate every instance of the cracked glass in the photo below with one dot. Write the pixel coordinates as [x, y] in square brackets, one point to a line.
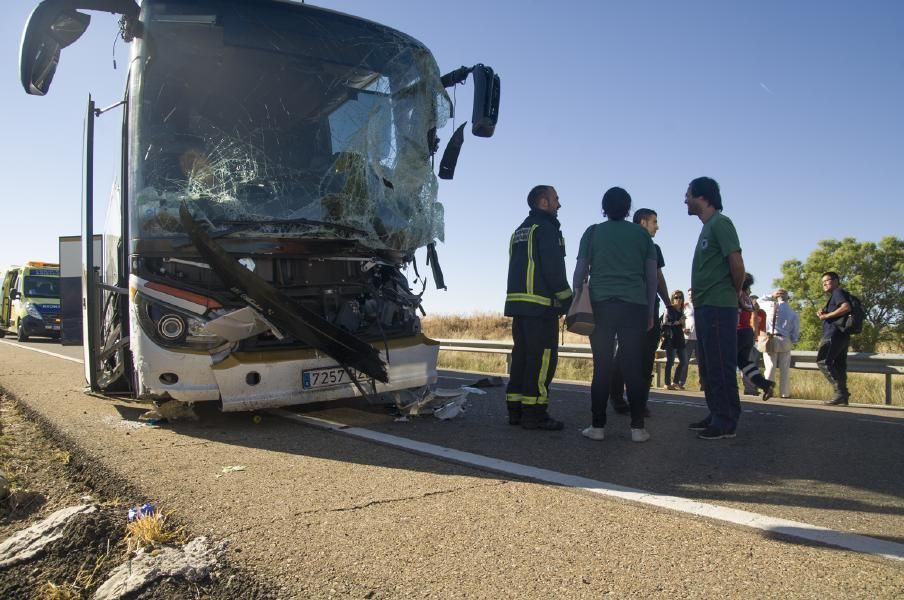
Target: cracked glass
[282, 120]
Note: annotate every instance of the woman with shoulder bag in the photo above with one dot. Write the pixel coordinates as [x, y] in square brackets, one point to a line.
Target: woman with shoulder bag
[673, 341]
[622, 275]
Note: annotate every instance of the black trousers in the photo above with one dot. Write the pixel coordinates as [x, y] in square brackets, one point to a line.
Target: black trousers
[535, 354]
[617, 388]
[831, 358]
[627, 322]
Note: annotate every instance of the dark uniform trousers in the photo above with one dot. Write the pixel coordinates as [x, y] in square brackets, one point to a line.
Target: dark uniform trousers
[535, 354]
[831, 358]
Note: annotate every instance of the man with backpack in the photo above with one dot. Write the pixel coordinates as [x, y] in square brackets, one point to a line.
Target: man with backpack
[836, 336]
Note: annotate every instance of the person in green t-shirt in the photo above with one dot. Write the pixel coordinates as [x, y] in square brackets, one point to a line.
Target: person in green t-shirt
[717, 276]
[620, 260]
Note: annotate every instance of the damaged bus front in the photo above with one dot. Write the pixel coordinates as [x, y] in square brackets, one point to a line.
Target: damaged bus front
[277, 178]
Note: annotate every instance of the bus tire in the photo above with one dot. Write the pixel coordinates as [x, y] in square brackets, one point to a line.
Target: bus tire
[2, 333]
[20, 333]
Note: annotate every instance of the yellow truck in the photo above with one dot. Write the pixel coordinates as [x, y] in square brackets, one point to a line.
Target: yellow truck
[30, 303]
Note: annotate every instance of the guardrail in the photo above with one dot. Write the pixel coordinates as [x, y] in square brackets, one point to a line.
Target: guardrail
[858, 362]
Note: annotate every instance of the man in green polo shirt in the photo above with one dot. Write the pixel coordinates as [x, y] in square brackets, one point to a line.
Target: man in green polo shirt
[717, 277]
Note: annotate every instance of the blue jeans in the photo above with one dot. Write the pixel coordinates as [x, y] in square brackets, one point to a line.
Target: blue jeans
[717, 358]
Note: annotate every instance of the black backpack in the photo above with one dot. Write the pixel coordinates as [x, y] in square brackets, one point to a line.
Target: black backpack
[852, 322]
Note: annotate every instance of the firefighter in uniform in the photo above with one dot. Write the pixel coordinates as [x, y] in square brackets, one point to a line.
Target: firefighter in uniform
[538, 294]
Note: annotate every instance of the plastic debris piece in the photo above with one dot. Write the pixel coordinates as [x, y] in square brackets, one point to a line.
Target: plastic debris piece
[473, 390]
[144, 510]
[442, 403]
[491, 381]
[451, 409]
[233, 468]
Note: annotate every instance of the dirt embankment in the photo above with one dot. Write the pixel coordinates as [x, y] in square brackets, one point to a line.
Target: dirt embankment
[44, 475]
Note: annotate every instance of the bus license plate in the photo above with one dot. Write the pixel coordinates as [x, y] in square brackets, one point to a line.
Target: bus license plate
[329, 376]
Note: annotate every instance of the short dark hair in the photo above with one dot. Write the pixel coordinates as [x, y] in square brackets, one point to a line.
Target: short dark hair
[832, 275]
[535, 194]
[642, 214]
[748, 281]
[709, 189]
[616, 203]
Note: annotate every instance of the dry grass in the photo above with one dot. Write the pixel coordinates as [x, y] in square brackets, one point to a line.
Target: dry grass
[865, 388]
[84, 580]
[51, 591]
[482, 326]
[152, 530]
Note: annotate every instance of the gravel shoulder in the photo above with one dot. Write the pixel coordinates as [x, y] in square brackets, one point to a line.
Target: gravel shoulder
[44, 476]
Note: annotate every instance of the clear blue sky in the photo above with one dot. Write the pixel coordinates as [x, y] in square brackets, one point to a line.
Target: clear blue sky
[794, 107]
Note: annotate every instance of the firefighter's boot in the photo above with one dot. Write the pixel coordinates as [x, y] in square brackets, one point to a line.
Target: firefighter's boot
[536, 417]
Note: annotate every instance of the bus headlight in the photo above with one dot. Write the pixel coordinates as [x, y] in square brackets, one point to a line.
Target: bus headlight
[33, 311]
[172, 327]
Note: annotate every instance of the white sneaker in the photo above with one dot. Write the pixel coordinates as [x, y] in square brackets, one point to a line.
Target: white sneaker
[594, 433]
[639, 435]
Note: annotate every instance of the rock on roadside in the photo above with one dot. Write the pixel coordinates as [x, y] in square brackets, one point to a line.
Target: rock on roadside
[28, 543]
[192, 562]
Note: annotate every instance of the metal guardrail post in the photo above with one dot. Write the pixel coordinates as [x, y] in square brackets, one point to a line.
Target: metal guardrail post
[888, 389]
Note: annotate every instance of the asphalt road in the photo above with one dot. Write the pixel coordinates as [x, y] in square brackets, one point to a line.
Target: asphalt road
[323, 514]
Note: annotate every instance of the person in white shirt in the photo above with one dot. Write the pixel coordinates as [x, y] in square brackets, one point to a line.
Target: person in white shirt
[690, 340]
[783, 323]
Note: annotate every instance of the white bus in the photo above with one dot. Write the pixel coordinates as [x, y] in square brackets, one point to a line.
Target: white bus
[277, 177]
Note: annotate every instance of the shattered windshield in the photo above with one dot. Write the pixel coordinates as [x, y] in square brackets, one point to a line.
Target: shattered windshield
[280, 120]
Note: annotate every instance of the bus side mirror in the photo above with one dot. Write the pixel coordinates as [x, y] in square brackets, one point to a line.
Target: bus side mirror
[486, 101]
[13, 294]
[50, 28]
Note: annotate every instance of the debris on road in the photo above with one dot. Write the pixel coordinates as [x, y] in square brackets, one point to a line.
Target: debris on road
[124, 423]
[171, 410]
[230, 469]
[491, 381]
[442, 403]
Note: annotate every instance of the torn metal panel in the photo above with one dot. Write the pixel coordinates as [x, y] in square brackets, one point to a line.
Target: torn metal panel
[239, 324]
[287, 314]
[328, 137]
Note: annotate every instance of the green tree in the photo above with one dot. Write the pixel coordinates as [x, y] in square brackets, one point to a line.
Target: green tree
[872, 272]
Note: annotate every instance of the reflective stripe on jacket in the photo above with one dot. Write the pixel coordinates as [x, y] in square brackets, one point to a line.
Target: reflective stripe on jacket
[537, 282]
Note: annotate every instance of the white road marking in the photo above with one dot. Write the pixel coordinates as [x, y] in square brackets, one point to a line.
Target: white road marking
[63, 356]
[795, 529]
[883, 422]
